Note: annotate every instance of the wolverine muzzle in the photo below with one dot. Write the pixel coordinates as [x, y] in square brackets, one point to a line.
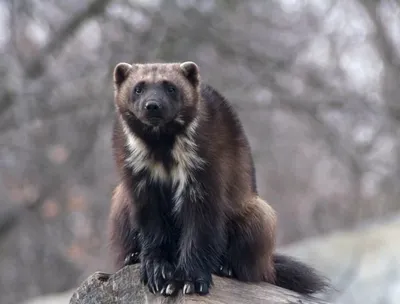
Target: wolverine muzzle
[154, 112]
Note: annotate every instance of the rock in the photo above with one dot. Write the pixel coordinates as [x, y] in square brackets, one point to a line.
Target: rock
[363, 265]
[124, 287]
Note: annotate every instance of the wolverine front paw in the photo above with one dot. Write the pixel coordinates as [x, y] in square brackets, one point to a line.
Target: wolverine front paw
[132, 258]
[155, 273]
[193, 282]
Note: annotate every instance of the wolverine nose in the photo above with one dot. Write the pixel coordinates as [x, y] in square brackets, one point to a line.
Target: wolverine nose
[152, 106]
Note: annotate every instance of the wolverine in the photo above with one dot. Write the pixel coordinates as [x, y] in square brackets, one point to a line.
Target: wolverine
[187, 205]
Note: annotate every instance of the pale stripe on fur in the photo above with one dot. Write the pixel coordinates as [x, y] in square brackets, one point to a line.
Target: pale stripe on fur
[184, 152]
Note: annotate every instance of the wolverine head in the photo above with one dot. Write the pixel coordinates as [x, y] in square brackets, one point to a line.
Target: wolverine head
[157, 94]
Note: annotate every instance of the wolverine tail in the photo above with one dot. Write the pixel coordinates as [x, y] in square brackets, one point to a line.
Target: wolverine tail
[296, 276]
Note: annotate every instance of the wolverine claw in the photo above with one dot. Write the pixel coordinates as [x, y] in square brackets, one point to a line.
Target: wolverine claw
[131, 259]
[169, 289]
[188, 288]
[224, 271]
[166, 272]
[202, 288]
[193, 282]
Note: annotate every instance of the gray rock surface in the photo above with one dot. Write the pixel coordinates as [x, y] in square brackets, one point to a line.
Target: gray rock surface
[123, 287]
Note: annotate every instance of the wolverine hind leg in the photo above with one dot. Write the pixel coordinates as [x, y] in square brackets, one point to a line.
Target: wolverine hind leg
[249, 256]
[251, 241]
[124, 236]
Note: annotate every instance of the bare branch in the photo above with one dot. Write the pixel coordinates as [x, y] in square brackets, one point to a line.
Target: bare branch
[62, 36]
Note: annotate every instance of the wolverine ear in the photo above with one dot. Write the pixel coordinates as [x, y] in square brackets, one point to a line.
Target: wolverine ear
[191, 71]
[121, 71]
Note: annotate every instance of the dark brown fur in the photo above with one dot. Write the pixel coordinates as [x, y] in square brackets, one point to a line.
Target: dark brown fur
[222, 226]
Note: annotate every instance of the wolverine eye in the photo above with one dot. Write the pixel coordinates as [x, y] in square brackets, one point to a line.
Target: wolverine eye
[171, 89]
[138, 89]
